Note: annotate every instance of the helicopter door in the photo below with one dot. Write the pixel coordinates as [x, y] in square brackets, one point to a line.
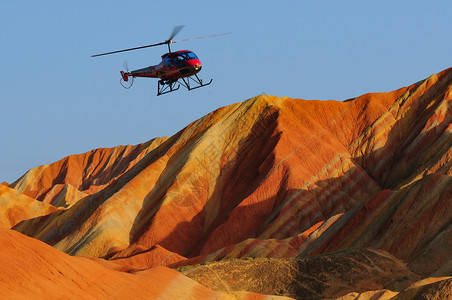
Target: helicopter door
[168, 64]
[179, 60]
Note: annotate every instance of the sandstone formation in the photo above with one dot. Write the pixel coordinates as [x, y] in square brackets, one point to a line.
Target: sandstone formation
[16, 207]
[34, 270]
[65, 182]
[269, 177]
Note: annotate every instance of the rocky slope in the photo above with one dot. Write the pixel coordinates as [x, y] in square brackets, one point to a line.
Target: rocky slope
[16, 207]
[34, 270]
[65, 182]
[265, 178]
[329, 276]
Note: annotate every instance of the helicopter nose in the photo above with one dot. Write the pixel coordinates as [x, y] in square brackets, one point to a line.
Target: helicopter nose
[194, 63]
[196, 66]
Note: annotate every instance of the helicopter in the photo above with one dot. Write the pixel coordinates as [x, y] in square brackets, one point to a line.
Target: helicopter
[176, 68]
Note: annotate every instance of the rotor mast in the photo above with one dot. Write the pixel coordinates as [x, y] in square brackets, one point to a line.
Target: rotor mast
[169, 42]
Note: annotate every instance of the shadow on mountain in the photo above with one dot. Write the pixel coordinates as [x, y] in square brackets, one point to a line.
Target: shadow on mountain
[237, 180]
[392, 163]
[81, 211]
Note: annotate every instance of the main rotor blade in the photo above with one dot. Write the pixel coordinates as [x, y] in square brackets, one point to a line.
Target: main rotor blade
[176, 30]
[130, 49]
[203, 37]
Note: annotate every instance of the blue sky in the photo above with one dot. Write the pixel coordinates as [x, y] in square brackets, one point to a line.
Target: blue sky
[56, 100]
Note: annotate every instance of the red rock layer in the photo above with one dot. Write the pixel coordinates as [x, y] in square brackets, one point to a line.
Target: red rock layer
[143, 258]
[408, 151]
[88, 172]
[34, 270]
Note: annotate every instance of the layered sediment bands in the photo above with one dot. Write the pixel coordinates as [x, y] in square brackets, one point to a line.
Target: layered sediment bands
[412, 158]
[412, 138]
[16, 207]
[86, 173]
[239, 172]
[143, 258]
[268, 177]
[34, 270]
[403, 222]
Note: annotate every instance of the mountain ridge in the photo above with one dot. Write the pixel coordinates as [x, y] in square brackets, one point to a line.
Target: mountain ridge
[270, 177]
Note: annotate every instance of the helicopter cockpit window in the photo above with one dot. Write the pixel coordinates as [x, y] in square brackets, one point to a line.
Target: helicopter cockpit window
[186, 56]
[191, 55]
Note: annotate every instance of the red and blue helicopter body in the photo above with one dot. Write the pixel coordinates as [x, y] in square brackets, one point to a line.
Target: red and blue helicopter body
[175, 69]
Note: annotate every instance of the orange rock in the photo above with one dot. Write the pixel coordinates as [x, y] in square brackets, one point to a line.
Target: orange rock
[145, 258]
[267, 177]
[34, 270]
[16, 207]
[88, 172]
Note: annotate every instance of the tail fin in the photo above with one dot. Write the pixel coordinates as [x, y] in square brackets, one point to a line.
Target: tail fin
[125, 76]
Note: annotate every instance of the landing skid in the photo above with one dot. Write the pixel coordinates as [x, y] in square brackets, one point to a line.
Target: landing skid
[165, 87]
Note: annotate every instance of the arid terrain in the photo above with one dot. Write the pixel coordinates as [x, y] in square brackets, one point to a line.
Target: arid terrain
[269, 198]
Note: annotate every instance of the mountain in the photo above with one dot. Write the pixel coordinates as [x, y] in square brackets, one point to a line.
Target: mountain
[65, 182]
[267, 178]
[46, 273]
[16, 207]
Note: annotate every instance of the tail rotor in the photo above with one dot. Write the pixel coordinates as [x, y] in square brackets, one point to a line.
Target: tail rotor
[125, 77]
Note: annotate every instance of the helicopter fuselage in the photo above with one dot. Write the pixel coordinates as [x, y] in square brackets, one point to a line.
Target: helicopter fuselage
[175, 69]
[174, 65]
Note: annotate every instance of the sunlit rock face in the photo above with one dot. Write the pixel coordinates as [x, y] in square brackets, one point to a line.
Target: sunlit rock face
[16, 207]
[269, 177]
[33, 270]
[65, 182]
